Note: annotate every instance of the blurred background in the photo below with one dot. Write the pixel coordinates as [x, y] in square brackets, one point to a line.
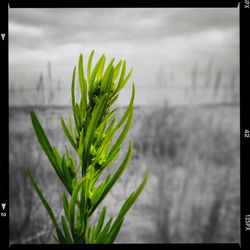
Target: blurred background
[186, 121]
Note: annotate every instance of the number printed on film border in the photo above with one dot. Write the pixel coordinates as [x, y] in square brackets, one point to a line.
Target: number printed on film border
[246, 134]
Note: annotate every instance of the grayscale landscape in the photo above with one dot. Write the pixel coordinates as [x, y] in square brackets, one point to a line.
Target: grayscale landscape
[185, 126]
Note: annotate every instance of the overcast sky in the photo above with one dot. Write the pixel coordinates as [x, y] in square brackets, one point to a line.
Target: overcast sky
[173, 40]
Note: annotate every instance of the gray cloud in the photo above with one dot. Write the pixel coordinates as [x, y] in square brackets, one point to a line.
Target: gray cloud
[148, 38]
[68, 25]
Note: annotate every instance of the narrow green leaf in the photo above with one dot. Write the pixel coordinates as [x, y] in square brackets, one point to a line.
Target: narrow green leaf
[60, 236]
[126, 206]
[66, 182]
[84, 204]
[124, 65]
[95, 70]
[71, 127]
[57, 157]
[109, 81]
[112, 157]
[78, 115]
[73, 203]
[112, 100]
[123, 134]
[112, 235]
[88, 235]
[83, 86]
[108, 77]
[101, 238]
[65, 205]
[68, 135]
[89, 64]
[73, 100]
[71, 167]
[66, 174]
[66, 230]
[100, 133]
[123, 83]
[98, 191]
[93, 77]
[129, 108]
[117, 69]
[100, 71]
[42, 198]
[81, 144]
[100, 221]
[110, 115]
[111, 125]
[44, 142]
[114, 178]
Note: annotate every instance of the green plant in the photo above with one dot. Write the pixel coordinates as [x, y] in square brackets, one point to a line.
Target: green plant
[92, 139]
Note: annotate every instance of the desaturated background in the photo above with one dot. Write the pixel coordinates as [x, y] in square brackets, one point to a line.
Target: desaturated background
[186, 121]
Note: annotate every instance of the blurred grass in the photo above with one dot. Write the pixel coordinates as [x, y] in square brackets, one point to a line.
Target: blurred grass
[193, 191]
